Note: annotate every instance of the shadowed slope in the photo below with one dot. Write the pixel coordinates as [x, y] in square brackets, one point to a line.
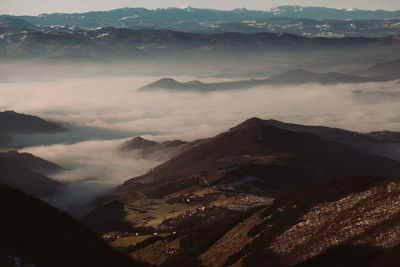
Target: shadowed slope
[40, 234]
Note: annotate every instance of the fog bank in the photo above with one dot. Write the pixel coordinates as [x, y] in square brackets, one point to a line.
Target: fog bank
[104, 111]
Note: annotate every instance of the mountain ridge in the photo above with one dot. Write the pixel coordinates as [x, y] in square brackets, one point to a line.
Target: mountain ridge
[249, 164]
[29, 173]
[122, 43]
[292, 77]
[294, 11]
[38, 234]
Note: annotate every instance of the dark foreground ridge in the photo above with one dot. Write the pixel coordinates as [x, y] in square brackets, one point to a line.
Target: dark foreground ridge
[44, 236]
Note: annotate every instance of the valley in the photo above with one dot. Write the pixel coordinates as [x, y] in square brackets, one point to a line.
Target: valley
[191, 136]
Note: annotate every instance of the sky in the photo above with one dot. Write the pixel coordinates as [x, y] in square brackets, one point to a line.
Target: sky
[35, 7]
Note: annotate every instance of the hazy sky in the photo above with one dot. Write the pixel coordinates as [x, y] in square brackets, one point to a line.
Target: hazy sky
[49, 6]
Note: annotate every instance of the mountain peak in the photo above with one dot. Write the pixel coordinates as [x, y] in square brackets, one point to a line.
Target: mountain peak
[140, 143]
[248, 123]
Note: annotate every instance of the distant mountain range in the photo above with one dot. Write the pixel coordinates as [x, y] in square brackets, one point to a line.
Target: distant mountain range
[21, 41]
[388, 70]
[313, 27]
[309, 21]
[377, 73]
[296, 77]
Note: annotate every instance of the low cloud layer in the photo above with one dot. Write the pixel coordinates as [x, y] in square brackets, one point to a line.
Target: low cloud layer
[112, 103]
[92, 168]
[113, 110]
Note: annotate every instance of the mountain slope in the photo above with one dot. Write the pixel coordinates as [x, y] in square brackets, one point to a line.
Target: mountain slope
[17, 123]
[155, 150]
[351, 221]
[41, 235]
[12, 123]
[28, 161]
[350, 212]
[384, 143]
[246, 165]
[252, 139]
[28, 173]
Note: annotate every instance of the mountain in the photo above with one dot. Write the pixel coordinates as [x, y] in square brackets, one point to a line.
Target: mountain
[384, 143]
[312, 27]
[28, 173]
[111, 44]
[5, 141]
[294, 77]
[340, 213]
[28, 161]
[238, 169]
[15, 24]
[385, 136]
[303, 77]
[155, 150]
[12, 123]
[194, 19]
[389, 70]
[349, 221]
[330, 13]
[17, 123]
[36, 234]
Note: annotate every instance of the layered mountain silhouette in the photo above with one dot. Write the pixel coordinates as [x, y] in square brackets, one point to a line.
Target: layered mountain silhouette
[388, 70]
[109, 43]
[312, 27]
[17, 123]
[195, 19]
[380, 72]
[295, 77]
[25, 160]
[12, 123]
[253, 159]
[36, 234]
[28, 173]
[155, 150]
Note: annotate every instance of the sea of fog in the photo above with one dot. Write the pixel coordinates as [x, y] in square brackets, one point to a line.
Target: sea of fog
[104, 111]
